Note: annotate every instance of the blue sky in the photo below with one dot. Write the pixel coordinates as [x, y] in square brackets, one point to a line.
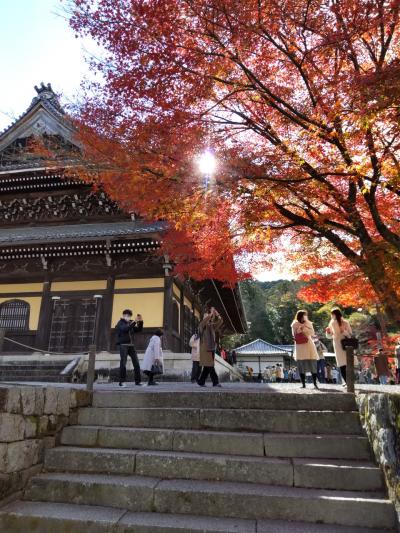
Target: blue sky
[36, 44]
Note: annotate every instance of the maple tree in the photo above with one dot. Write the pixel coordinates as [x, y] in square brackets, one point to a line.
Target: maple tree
[300, 101]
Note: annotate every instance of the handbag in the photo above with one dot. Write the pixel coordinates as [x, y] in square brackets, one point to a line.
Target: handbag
[300, 338]
[157, 368]
[349, 342]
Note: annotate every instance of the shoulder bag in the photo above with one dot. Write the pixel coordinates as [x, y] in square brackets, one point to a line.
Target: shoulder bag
[300, 338]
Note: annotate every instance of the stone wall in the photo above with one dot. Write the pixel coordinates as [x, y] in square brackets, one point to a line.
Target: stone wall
[380, 416]
[30, 420]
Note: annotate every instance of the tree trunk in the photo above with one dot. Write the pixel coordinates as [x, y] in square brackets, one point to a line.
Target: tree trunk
[383, 286]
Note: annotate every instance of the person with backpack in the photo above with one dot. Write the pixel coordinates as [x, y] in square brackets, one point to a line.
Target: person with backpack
[125, 329]
[305, 351]
[153, 362]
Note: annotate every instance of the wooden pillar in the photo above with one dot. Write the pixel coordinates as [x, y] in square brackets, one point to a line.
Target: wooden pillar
[104, 332]
[45, 317]
[167, 341]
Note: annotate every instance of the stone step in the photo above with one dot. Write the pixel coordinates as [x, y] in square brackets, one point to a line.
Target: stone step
[317, 446]
[227, 400]
[322, 474]
[31, 368]
[35, 372]
[53, 378]
[32, 364]
[37, 517]
[235, 443]
[216, 499]
[308, 422]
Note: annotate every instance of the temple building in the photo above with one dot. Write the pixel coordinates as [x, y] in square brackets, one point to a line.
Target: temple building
[71, 260]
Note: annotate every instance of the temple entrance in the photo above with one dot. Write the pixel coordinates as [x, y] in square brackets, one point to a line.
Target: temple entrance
[72, 325]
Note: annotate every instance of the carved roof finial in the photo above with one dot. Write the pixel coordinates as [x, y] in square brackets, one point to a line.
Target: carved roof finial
[45, 93]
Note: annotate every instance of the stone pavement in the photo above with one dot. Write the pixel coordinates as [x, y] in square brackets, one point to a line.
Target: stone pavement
[229, 387]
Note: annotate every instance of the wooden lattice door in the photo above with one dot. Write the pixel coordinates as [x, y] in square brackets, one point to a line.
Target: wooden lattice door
[73, 323]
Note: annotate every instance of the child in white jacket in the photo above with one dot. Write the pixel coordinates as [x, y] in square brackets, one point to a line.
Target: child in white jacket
[194, 344]
[153, 357]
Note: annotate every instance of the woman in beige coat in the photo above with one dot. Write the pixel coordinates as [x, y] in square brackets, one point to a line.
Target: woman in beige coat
[338, 329]
[210, 324]
[305, 352]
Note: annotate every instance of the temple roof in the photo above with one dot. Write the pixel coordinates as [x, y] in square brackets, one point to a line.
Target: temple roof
[261, 347]
[78, 232]
[44, 116]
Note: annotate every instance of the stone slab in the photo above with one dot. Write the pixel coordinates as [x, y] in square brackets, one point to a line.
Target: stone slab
[240, 500]
[136, 438]
[337, 475]
[148, 418]
[21, 455]
[277, 526]
[172, 523]
[12, 427]
[235, 443]
[100, 460]
[309, 422]
[126, 492]
[222, 399]
[79, 435]
[318, 446]
[41, 517]
[170, 465]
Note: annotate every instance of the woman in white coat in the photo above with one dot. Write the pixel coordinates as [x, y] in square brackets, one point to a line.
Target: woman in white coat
[338, 329]
[153, 356]
[305, 352]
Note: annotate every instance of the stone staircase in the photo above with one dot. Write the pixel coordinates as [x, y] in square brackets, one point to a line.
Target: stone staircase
[41, 371]
[208, 461]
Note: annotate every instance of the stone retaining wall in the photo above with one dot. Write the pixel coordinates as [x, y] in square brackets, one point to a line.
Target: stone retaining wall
[30, 421]
[380, 416]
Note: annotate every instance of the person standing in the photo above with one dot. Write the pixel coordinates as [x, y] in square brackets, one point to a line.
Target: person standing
[279, 373]
[194, 344]
[208, 327]
[382, 367]
[321, 364]
[126, 328]
[153, 362]
[329, 378]
[234, 358]
[397, 359]
[305, 351]
[338, 329]
[285, 375]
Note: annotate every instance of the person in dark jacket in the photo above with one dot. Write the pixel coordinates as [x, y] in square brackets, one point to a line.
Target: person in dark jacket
[126, 328]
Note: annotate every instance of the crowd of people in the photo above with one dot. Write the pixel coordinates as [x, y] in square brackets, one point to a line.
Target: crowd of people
[309, 354]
